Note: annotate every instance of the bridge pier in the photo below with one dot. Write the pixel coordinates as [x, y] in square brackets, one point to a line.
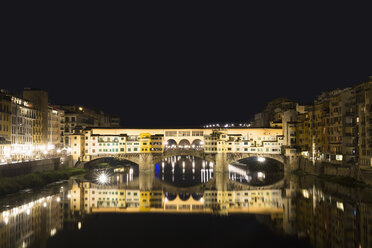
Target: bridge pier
[222, 164]
[146, 162]
[291, 163]
[146, 180]
[146, 171]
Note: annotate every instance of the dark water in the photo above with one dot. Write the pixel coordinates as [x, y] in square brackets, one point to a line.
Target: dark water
[191, 206]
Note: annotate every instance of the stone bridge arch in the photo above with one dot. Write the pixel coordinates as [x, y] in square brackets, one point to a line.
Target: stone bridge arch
[184, 144]
[195, 153]
[135, 157]
[235, 157]
[171, 144]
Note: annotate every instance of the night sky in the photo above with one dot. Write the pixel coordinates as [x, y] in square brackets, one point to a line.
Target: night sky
[157, 66]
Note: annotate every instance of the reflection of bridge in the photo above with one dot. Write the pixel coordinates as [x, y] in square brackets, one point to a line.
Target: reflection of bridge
[151, 195]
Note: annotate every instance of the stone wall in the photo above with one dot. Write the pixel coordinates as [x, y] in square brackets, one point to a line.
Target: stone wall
[16, 169]
[325, 168]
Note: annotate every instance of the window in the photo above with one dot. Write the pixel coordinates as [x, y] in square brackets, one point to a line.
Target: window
[171, 133]
[183, 133]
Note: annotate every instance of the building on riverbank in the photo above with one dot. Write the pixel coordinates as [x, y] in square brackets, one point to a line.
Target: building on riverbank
[77, 117]
[55, 122]
[39, 99]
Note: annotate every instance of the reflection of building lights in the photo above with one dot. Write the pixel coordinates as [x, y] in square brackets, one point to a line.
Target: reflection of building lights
[261, 159]
[28, 211]
[79, 225]
[102, 178]
[260, 175]
[53, 232]
[44, 204]
[340, 206]
[305, 193]
[6, 220]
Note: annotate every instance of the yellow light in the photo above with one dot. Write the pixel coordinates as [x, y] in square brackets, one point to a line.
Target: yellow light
[340, 206]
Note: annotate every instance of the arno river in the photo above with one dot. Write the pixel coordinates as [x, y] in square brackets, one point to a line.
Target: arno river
[185, 203]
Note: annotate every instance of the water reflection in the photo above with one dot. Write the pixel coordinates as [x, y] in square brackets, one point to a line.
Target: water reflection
[184, 171]
[32, 223]
[324, 214]
[256, 171]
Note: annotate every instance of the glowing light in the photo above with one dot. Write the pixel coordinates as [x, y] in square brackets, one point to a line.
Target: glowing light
[165, 199]
[102, 178]
[305, 193]
[44, 204]
[69, 196]
[202, 200]
[261, 159]
[340, 206]
[58, 199]
[79, 225]
[59, 151]
[260, 175]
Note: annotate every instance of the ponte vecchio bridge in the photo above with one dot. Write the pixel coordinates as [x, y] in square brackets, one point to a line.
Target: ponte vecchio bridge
[146, 147]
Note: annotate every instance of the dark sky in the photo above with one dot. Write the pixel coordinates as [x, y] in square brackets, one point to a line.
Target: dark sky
[185, 65]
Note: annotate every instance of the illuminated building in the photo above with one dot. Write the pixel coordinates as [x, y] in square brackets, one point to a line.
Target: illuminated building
[23, 116]
[80, 117]
[92, 143]
[55, 120]
[151, 143]
[364, 123]
[5, 127]
[77, 146]
[39, 100]
[5, 120]
[256, 141]
[145, 142]
[303, 133]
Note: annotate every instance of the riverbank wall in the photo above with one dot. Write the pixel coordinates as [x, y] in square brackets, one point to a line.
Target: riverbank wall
[325, 168]
[23, 168]
[321, 168]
